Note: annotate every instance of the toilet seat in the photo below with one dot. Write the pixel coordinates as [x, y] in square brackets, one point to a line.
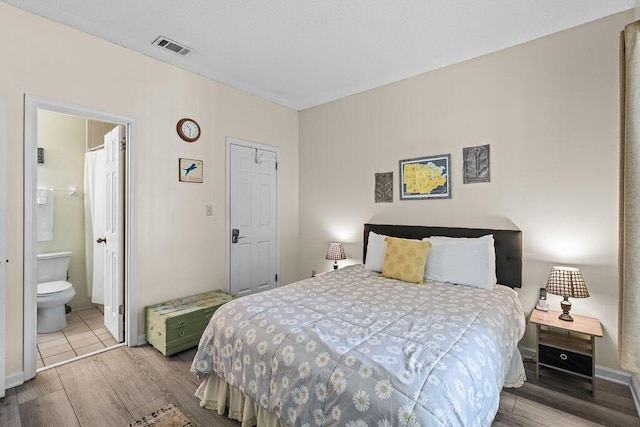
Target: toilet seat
[51, 288]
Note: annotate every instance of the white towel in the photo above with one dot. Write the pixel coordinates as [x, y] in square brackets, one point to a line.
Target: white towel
[41, 197]
[45, 216]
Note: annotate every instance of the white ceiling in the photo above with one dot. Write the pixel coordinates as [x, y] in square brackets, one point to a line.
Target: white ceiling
[302, 53]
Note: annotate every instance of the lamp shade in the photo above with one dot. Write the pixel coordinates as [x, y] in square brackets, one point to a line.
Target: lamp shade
[335, 251]
[568, 282]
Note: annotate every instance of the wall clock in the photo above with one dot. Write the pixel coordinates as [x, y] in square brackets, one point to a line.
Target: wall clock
[188, 130]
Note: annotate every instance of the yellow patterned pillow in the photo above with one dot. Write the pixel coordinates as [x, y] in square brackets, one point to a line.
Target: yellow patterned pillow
[405, 259]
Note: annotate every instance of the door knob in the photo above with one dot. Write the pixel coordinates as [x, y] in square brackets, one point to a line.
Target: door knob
[102, 240]
[235, 235]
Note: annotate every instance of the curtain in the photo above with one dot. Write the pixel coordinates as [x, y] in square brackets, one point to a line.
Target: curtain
[629, 321]
[94, 222]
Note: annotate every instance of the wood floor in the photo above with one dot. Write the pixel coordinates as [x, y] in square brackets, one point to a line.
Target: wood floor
[122, 385]
[559, 399]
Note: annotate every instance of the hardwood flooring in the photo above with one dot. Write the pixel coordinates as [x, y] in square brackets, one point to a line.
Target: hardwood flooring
[563, 399]
[120, 386]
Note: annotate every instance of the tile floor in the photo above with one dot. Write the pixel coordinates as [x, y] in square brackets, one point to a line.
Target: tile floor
[85, 333]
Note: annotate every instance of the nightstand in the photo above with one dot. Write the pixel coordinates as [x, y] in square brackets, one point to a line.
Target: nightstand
[567, 346]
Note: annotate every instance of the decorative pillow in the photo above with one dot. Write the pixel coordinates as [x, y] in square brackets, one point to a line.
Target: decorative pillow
[376, 248]
[463, 261]
[405, 259]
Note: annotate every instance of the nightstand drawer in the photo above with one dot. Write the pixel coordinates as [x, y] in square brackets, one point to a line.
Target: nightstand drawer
[573, 362]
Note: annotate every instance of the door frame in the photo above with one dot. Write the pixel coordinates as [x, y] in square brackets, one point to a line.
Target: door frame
[236, 141]
[31, 106]
[3, 239]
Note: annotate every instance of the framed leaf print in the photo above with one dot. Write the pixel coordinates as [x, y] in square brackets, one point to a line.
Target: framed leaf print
[384, 187]
[476, 164]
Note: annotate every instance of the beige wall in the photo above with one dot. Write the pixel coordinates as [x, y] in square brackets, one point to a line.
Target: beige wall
[63, 138]
[180, 250]
[548, 108]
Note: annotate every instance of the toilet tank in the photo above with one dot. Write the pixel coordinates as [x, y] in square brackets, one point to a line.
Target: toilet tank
[53, 266]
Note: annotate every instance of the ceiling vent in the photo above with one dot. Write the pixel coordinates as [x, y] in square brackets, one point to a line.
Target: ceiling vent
[174, 47]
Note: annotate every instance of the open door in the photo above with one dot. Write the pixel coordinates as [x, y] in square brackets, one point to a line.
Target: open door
[114, 234]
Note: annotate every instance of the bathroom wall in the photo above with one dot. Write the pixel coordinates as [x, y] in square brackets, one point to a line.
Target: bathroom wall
[64, 138]
[96, 131]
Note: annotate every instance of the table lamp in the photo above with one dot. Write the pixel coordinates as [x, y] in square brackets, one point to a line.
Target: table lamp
[568, 282]
[335, 251]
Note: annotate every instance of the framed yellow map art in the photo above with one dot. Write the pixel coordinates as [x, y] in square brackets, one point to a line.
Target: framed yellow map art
[425, 178]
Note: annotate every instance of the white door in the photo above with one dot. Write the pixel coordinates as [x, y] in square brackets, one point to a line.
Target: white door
[253, 218]
[3, 236]
[114, 242]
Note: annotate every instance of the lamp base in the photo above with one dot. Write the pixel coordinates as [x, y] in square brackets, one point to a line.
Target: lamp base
[565, 304]
[335, 265]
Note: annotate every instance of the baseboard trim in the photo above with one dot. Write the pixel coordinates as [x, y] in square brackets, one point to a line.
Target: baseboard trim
[635, 392]
[614, 375]
[142, 340]
[14, 380]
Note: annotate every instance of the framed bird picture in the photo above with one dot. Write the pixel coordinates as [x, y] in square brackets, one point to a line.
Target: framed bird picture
[190, 170]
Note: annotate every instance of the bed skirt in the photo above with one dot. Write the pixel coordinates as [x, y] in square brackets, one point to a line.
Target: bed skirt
[515, 376]
[216, 394]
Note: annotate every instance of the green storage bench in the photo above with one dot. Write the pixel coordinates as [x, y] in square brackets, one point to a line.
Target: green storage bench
[178, 324]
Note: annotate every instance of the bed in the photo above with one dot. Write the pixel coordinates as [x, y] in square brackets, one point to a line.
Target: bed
[353, 348]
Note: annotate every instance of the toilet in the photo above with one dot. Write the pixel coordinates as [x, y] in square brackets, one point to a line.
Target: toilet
[53, 291]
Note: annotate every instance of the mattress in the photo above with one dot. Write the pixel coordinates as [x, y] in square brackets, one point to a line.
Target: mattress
[353, 348]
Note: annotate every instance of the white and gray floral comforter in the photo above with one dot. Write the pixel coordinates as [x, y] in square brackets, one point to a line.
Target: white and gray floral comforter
[350, 348]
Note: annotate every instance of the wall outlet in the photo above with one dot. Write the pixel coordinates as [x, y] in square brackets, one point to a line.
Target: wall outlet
[208, 211]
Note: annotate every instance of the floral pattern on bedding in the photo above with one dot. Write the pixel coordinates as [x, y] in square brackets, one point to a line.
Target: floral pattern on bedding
[351, 348]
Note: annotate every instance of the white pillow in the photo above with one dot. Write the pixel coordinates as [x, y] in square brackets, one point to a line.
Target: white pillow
[463, 261]
[376, 249]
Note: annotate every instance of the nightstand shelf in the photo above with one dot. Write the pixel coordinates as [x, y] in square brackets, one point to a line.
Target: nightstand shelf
[566, 342]
[566, 346]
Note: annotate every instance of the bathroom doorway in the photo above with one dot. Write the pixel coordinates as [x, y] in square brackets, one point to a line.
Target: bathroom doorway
[71, 217]
[70, 144]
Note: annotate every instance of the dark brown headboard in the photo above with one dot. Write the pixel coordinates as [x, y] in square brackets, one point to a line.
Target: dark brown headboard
[508, 244]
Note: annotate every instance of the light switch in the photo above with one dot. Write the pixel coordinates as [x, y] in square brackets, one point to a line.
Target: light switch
[209, 210]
